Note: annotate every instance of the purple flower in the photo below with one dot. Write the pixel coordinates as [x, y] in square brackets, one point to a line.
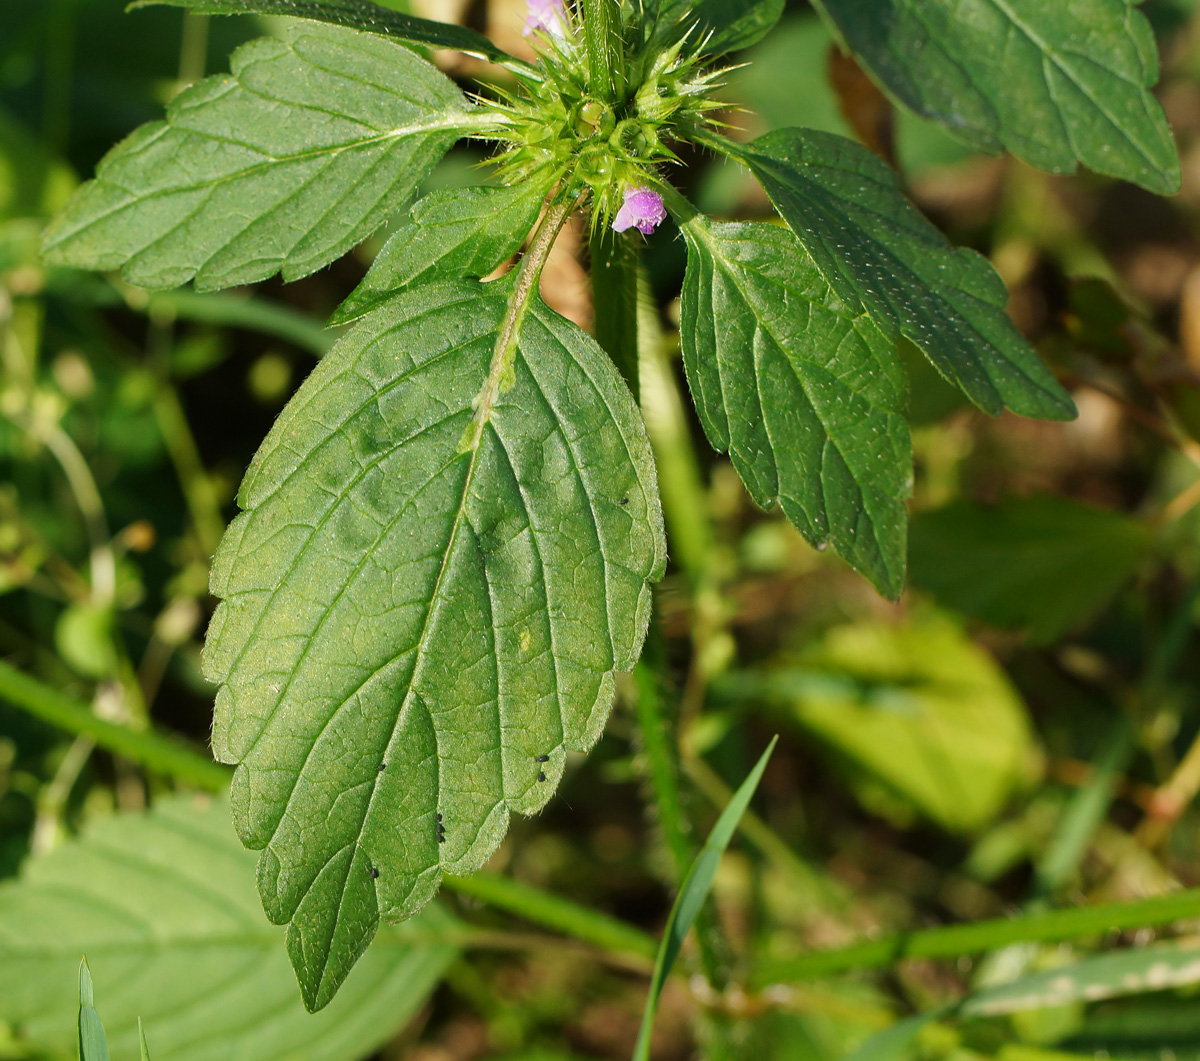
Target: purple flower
[547, 15]
[642, 209]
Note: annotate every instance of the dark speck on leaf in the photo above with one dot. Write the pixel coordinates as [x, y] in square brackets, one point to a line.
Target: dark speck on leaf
[541, 776]
[382, 767]
[542, 759]
[624, 501]
[374, 873]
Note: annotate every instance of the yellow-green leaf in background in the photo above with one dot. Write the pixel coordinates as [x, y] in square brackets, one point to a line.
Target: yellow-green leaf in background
[918, 708]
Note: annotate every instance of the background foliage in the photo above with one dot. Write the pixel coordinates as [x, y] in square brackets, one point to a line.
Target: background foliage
[1017, 734]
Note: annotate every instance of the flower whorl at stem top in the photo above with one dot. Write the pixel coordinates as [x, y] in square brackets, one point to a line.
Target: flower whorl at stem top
[548, 15]
[642, 209]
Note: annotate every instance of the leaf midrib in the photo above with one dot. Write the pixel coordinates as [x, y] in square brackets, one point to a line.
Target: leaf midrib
[465, 121]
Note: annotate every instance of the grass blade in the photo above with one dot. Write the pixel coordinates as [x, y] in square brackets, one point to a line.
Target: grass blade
[692, 895]
[92, 1044]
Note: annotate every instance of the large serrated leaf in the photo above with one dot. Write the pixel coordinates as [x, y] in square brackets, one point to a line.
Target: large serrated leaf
[1056, 83]
[164, 906]
[445, 556]
[353, 14]
[878, 253]
[806, 398]
[448, 235]
[281, 167]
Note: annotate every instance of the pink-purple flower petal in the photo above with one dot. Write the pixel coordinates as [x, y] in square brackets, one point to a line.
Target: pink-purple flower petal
[547, 15]
[642, 209]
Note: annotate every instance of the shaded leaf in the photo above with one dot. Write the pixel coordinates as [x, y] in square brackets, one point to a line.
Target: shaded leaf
[1055, 83]
[352, 14]
[1043, 564]
[164, 905]
[805, 397]
[714, 27]
[281, 167]
[879, 254]
[448, 235]
[444, 558]
[918, 709]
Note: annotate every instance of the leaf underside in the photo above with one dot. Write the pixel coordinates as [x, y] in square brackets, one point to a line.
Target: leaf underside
[164, 906]
[1054, 83]
[352, 14]
[806, 398]
[879, 254]
[418, 607]
[450, 234]
[281, 167]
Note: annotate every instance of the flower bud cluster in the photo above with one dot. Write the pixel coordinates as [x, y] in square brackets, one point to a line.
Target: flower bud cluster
[557, 123]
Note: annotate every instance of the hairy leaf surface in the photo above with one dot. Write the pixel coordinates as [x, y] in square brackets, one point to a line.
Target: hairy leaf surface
[281, 167]
[164, 906]
[353, 14]
[806, 397]
[445, 555]
[448, 235]
[879, 254]
[1055, 83]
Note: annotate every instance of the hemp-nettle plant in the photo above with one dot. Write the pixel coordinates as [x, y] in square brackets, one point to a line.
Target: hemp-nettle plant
[448, 540]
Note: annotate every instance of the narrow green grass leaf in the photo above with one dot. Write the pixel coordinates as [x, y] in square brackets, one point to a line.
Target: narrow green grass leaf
[147, 748]
[879, 254]
[353, 14]
[281, 167]
[1057, 84]
[952, 941]
[165, 907]
[692, 894]
[806, 397]
[445, 555]
[93, 1046]
[143, 1048]
[1135, 971]
[448, 235]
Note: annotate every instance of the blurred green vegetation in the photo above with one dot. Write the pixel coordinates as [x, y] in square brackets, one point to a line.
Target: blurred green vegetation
[1020, 733]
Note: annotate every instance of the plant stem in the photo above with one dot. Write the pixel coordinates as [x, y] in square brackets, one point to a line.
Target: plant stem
[615, 302]
[605, 52]
[151, 750]
[955, 941]
[662, 768]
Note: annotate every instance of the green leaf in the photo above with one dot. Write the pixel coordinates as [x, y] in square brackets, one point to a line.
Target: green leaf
[879, 254]
[1137, 970]
[806, 397]
[692, 893]
[917, 709]
[352, 14]
[1055, 83]
[448, 235]
[92, 1044]
[445, 556]
[282, 167]
[714, 27]
[164, 905]
[1043, 564]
